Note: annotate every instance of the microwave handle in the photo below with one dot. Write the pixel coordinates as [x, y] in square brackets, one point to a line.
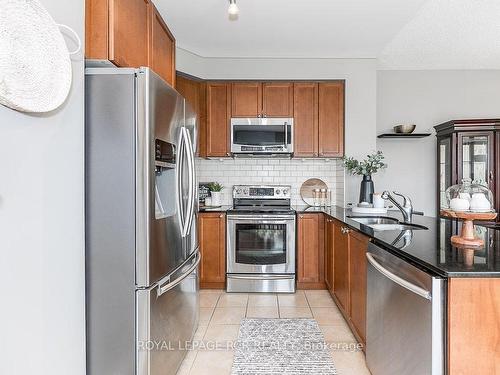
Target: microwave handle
[285, 142]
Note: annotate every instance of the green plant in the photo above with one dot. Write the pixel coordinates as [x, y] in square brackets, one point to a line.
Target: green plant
[368, 166]
[215, 186]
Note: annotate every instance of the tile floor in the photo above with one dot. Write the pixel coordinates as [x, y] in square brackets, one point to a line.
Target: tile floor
[221, 313]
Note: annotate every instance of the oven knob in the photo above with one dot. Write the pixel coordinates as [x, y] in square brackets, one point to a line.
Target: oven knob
[278, 191]
[245, 191]
[285, 191]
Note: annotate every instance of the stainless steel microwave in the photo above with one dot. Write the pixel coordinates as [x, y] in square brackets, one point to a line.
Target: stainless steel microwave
[262, 136]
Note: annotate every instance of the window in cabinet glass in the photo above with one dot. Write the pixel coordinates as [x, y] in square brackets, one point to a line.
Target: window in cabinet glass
[476, 158]
[444, 167]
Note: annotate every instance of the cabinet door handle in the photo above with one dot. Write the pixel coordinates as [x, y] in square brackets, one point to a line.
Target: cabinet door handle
[221, 216]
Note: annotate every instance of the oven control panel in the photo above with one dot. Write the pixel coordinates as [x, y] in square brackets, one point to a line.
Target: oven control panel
[262, 191]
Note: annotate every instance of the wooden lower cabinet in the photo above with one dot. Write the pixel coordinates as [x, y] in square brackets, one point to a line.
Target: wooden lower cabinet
[329, 253]
[346, 265]
[212, 238]
[473, 326]
[310, 251]
[341, 266]
[358, 245]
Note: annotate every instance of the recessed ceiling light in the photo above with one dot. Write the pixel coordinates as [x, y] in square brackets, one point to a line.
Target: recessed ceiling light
[233, 8]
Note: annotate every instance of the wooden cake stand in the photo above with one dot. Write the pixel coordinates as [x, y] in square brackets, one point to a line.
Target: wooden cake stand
[467, 237]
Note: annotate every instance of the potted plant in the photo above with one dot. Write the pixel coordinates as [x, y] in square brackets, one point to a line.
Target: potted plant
[366, 168]
[216, 193]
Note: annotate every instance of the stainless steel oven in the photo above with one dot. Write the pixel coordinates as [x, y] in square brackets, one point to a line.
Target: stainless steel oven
[262, 136]
[261, 241]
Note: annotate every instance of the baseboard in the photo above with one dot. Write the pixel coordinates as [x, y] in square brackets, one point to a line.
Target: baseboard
[313, 286]
[212, 285]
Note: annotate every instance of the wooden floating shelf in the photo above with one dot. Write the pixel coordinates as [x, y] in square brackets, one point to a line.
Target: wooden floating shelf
[403, 135]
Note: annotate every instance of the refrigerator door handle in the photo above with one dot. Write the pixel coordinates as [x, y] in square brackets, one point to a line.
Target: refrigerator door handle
[172, 284]
[192, 181]
[180, 162]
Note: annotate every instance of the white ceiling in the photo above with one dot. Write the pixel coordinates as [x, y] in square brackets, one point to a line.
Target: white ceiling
[401, 34]
[287, 28]
[448, 34]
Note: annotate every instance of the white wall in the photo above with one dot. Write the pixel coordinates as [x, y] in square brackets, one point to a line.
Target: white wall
[427, 98]
[42, 231]
[360, 102]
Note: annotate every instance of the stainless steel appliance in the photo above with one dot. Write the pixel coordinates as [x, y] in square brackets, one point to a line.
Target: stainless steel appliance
[405, 317]
[262, 136]
[261, 240]
[141, 204]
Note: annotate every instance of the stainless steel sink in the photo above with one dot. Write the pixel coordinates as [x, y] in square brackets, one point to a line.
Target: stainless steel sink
[400, 227]
[374, 220]
[381, 223]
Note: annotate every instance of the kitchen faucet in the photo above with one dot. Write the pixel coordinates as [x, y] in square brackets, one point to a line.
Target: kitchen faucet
[406, 209]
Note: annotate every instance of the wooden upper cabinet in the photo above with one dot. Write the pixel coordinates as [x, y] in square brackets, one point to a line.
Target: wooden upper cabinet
[218, 116]
[212, 236]
[277, 99]
[246, 99]
[256, 99]
[341, 266]
[358, 244]
[161, 47]
[305, 114]
[310, 272]
[194, 91]
[331, 119]
[329, 251]
[128, 32]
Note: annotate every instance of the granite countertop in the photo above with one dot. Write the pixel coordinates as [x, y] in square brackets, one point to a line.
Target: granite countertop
[429, 249]
[214, 209]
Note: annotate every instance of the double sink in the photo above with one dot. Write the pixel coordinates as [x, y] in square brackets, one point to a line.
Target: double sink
[383, 223]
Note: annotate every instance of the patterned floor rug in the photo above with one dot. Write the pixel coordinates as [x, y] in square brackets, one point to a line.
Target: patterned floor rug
[281, 346]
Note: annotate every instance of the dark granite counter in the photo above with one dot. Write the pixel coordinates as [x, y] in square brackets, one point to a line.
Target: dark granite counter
[429, 249]
[214, 209]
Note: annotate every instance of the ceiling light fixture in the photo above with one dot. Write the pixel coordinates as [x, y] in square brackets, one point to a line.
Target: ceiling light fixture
[233, 8]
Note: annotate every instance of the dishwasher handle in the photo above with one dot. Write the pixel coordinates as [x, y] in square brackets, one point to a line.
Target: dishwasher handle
[398, 280]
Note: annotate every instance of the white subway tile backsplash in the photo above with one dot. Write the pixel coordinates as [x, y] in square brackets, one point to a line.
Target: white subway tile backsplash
[293, 172]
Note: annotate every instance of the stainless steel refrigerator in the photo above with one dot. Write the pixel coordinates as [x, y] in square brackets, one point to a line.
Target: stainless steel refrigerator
[141, 205]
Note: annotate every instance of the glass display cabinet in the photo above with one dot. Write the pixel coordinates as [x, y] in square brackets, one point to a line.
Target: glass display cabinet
[468, 149]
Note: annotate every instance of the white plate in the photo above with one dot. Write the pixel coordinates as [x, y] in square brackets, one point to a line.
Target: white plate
[35, 68]
[369, 210]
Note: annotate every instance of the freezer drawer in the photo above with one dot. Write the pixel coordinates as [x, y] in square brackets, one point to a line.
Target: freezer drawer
[167, 317]
[405, 317]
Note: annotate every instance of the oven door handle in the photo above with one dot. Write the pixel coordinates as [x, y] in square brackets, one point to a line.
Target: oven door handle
[262, 217]
[263, 222]
[261, 277]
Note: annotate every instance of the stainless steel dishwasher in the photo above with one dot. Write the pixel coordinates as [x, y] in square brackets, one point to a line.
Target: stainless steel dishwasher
[405, 317]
